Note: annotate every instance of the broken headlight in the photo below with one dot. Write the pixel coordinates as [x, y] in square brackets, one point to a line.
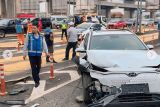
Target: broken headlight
[98, 91]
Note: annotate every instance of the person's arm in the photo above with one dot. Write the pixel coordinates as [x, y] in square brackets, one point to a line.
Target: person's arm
[68, 34]
[25, 48]
[51, 37]
[45, 48]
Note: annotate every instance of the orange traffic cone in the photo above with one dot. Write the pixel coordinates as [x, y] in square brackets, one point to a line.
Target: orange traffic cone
[2, 80]
[52, 72]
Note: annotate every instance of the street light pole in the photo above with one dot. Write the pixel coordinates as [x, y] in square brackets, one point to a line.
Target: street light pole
[137, 21]
[140, 17]
[159, 25]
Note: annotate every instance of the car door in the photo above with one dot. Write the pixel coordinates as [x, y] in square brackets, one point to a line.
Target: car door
[11, 27]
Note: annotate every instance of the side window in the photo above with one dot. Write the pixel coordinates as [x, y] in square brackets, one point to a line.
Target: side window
[86, 41]
[53, 19]
[11, 22]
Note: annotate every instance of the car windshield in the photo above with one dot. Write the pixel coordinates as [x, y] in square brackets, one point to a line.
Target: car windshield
[116, 42]
[115, 20]
[4, 22]
[60, 19]
[83, 26]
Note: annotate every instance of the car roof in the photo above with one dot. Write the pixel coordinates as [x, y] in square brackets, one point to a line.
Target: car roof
[96, 33]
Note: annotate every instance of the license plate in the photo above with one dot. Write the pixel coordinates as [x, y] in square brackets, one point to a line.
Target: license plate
[135, 88]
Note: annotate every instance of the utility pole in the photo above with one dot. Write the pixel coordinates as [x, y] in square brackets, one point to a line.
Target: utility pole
[137, 21]
[3, 7]
[69, 7]
[159, 24]
[140, 18]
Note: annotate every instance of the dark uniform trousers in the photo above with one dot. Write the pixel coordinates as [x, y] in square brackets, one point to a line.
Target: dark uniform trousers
[35, 62]
[64, 31]
[71, 45]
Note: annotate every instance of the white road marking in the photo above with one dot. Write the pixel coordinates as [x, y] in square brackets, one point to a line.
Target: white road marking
[16, 106]
[36, 94]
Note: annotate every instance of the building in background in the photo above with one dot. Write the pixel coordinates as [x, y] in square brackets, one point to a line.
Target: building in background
[69, 7]
[32, 8]
[7, 8]
[100, 7]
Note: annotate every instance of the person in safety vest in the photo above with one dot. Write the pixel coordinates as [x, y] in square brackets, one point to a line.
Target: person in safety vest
[29, 26]
[20, 32]
[64, 29]
[34, 45]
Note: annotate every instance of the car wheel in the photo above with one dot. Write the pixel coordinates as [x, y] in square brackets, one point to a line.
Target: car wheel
[86, 80]
[2, 33]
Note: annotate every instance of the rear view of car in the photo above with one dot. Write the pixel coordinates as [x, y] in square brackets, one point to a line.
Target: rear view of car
[116, 24]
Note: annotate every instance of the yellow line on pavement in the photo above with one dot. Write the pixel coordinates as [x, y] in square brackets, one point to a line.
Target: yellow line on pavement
[25, 65]
[19, 58]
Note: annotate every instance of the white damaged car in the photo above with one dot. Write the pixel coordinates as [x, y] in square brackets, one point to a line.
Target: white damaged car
[119, 70]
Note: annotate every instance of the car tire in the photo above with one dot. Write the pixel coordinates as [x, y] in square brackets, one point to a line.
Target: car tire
[86, 80]
[2, 33]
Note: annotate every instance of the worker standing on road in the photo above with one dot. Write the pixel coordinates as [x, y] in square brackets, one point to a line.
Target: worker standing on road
[19, 31]
[64, 29]
[40, 25]
[34, 46]
[29, 26]
[72, 41]
[49, 37]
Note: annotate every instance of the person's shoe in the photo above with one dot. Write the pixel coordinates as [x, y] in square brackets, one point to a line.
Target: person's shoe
[64, 59]
[54, 61]
[80, 99]
[47, 59]
[36, 85]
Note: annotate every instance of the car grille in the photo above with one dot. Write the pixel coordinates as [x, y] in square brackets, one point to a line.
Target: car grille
[135, 98]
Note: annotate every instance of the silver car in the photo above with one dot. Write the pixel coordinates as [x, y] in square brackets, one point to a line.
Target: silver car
[118, 70]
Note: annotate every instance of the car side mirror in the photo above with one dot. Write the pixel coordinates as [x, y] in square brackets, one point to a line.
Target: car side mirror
[81, 50]
[150, 47]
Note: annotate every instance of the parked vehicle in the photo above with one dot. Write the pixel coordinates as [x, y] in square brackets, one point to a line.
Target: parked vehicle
[34, 21]
[147, 22]
[88, 26]
[111, 74]
[7, 26]
[116, 23]
[130, 22]
[45, 22]
[57, 20]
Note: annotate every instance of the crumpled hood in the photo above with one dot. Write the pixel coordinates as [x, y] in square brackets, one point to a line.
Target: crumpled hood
[121, 59]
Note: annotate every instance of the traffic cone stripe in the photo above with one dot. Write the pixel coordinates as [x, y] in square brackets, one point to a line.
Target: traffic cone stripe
[2, 81]
[52, 72]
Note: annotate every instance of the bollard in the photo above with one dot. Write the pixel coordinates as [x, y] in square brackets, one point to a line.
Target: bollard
[52, 71]
[2, 80]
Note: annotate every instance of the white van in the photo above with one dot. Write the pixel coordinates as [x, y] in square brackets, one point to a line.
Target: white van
[57, 20]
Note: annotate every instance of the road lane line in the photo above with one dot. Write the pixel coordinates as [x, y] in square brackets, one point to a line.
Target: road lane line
[74, 76]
